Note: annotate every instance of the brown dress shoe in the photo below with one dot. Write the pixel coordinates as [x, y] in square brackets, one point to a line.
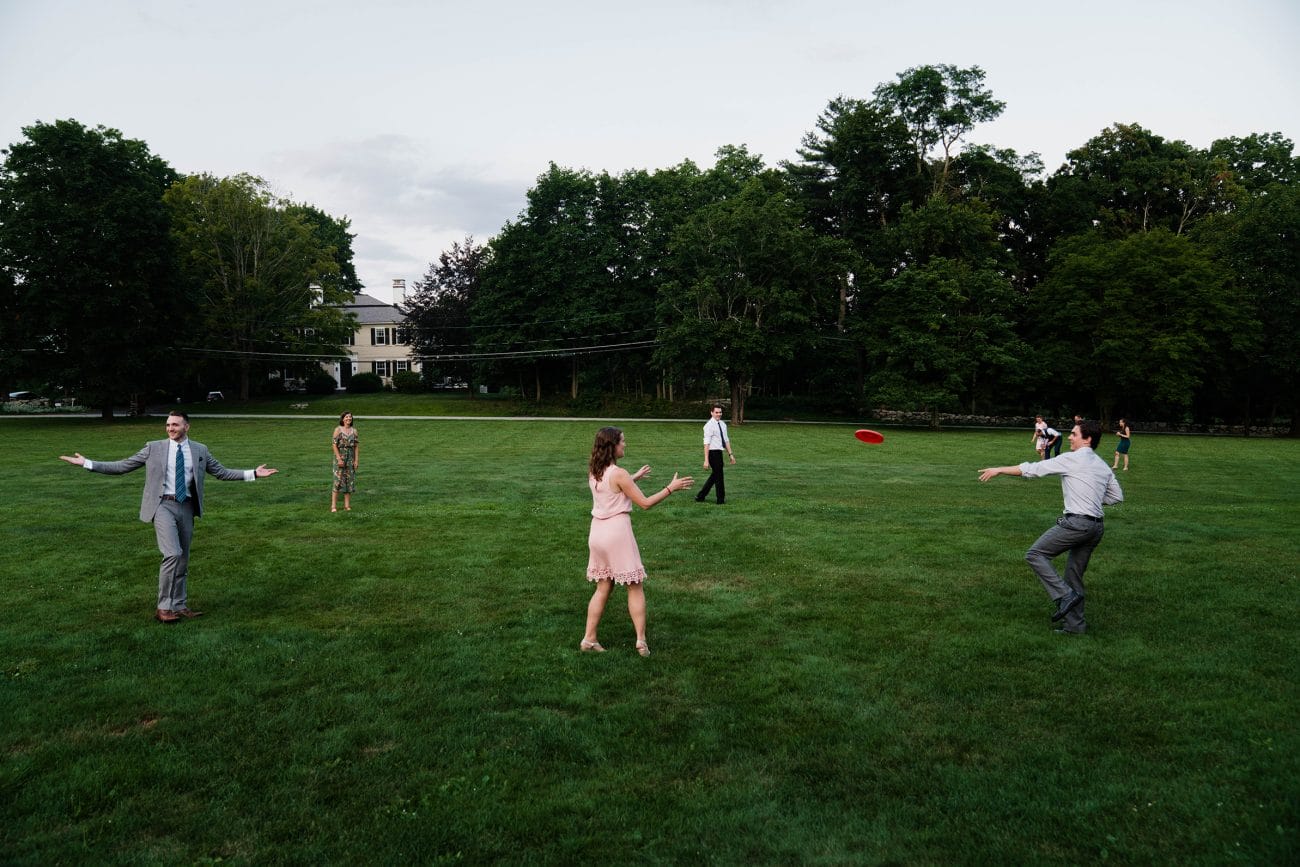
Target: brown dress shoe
[185, 612]
[162, 615]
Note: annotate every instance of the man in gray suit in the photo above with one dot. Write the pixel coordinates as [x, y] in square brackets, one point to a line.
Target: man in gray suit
[174, 470]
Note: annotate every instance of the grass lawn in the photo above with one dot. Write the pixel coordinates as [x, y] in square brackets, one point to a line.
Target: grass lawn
[852, 662]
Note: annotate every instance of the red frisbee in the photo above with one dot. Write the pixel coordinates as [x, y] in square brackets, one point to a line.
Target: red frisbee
[869, 436]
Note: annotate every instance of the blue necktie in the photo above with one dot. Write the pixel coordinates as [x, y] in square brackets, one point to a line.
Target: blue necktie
[180, 474]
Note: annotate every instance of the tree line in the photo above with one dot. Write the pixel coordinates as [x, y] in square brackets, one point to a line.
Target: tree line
[892, 263]
[121, 280]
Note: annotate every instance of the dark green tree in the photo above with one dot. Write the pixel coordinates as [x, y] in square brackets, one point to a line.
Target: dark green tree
[1128, 179]
[571, 282]
[1260, 160]
[855, 172]
[1259, 243]
[1009, 186]
[746, 280]
[439, 312]
[84, 246]
[939, 329]
[1140, 321]
[265, 286]
[332, 232]
[939, 105]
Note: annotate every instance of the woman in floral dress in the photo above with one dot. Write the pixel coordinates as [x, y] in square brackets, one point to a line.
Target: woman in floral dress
[347, 452]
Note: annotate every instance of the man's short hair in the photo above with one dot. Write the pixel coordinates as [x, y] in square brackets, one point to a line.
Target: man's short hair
[180, 413]
[1091, 431]
[716, 406]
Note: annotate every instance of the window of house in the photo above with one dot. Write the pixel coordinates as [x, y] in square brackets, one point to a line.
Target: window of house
[379, 336]
[399, 366]
[380, 368]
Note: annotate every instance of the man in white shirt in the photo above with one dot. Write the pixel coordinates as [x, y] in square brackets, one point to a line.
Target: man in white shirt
[172, 499]
[1087, 484]
[715, 443]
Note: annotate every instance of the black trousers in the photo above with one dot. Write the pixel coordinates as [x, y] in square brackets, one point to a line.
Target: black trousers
[715, 477]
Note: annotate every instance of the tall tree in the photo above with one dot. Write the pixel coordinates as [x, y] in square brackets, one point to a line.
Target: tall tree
[1010, 187]
[439, 312]
[85, 248]
[940, 329]
[1259, 160]
[746, 280]
[570, 279]
[1128, 179]
[855, 172]
[265, 285]
[332, 232]
[1260, 244]
[1140, 321]
[940, 105]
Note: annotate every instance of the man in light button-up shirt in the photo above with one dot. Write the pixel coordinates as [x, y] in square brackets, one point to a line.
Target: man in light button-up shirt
[172, 515]
[1087, 484]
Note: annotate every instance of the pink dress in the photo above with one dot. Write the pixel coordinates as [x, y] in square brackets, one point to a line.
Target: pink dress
[614, 555]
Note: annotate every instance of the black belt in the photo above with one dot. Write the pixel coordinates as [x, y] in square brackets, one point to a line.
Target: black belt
[173, 499]
[1076, 515]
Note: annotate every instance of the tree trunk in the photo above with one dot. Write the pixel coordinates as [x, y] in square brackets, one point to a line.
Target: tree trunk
[844, 303]
[934, 418]
[537, 381]
[738, 401]
[573, 379]
[244, 378]
[861, 353]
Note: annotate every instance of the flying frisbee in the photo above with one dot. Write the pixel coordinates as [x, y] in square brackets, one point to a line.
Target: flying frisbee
[869, 436]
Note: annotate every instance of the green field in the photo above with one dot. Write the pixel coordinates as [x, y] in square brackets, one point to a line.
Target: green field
[852, 662]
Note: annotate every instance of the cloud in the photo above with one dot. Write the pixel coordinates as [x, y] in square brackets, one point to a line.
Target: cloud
[405, 204]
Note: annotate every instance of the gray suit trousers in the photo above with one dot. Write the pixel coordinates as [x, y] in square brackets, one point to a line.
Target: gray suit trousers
[1079, 536]
[173, 524]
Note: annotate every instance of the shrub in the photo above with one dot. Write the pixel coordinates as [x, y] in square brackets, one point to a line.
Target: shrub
[365, 383]
[320, 382]
[408, 382]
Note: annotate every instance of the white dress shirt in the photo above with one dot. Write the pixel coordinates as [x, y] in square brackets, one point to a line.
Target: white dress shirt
[715, 431]
[169, 480]
[1087, 482]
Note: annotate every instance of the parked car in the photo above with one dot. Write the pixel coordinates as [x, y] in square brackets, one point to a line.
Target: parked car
[24, 395]
[215, 395]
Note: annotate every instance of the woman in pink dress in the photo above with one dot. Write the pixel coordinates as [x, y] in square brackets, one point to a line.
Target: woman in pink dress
[614, 557]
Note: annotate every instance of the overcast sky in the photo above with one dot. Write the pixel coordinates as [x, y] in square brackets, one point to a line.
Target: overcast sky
[423, 121]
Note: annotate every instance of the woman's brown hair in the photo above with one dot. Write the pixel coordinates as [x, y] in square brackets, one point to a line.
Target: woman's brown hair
[603, 451]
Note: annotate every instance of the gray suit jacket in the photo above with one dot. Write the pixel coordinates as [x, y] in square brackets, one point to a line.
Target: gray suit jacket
[153, 457]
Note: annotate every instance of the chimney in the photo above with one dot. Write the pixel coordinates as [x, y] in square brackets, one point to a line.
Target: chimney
[399, 290]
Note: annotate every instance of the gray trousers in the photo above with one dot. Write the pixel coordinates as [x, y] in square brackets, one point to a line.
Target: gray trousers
[1079, 536]
[173, 524]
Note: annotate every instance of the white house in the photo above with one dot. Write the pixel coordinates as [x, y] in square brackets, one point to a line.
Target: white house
[380, 344]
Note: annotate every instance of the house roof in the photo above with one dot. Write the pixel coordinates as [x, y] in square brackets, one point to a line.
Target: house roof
[371, 311]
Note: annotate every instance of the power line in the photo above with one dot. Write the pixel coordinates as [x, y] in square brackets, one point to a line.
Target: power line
[523, 355]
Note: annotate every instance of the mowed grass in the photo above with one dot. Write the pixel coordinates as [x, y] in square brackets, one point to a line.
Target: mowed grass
[851, 661]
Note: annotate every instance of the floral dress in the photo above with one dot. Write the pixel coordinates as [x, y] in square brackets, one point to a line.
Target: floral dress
[345, 477]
